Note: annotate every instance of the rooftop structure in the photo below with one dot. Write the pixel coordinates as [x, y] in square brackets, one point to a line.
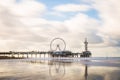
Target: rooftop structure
[86, 53]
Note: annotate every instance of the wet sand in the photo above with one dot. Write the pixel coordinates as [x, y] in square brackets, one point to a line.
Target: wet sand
[59, 69]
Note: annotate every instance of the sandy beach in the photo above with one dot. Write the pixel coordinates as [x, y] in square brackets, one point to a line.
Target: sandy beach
[60, 69]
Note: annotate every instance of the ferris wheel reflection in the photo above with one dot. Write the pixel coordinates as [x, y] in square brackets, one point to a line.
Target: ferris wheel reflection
[56, 69]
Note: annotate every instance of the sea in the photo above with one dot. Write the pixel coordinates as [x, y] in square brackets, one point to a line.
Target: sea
[60, 68]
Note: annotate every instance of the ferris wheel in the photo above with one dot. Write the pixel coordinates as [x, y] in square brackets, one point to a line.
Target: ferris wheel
[57, 44]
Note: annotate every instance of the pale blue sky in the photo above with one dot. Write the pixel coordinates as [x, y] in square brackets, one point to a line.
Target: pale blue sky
[52, 3]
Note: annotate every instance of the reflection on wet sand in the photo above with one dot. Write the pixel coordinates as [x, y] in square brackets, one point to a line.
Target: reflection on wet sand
[56, 70]
[86, 72]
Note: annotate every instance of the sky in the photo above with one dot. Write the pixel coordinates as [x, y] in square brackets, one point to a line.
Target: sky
[30, 25]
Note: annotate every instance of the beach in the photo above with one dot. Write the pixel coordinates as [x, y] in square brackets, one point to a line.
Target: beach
[60, 69]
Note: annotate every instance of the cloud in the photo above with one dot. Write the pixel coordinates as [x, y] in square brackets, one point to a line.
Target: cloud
[110, 18]
[24, 7]
[26, 31]
[14, 18]
[81, 26]
[71, 7]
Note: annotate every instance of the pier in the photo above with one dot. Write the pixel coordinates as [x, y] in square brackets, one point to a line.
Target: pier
[56, 51]
[33, 54]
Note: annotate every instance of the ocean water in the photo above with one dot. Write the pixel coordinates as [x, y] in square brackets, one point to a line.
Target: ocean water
[100, 68]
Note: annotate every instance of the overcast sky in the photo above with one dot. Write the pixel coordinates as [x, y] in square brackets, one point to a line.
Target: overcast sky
[31, 25]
